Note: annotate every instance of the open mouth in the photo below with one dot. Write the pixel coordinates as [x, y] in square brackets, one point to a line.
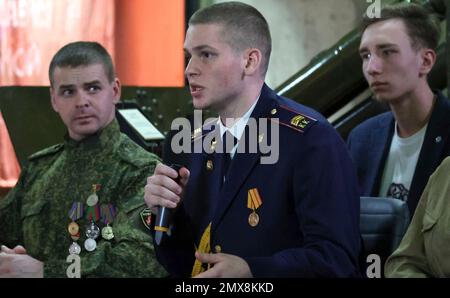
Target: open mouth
[195, 89]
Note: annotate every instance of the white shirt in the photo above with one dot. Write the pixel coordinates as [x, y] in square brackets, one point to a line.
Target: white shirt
[401, 164]
[238, 127]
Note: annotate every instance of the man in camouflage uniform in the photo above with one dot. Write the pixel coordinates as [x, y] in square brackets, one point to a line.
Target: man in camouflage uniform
[47, 212]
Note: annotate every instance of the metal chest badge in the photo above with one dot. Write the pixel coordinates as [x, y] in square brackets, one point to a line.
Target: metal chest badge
[108, 212]
[92, 215]
[92, 200]
[254, 201]
[75, 213]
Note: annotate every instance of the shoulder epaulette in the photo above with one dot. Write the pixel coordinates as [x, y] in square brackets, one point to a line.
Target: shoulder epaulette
[293, 119]
[201, 131]
[46, 152]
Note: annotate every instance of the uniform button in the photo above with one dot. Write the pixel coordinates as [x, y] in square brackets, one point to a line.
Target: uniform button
[273, 112]
[218, 249]
[438, 139]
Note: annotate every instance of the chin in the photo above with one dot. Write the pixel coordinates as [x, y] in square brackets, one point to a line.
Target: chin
[87, 131]
[200, 104]
[383, 98]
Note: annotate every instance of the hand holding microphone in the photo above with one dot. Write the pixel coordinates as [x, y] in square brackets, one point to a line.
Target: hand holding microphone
[164, 217]
[165, 189]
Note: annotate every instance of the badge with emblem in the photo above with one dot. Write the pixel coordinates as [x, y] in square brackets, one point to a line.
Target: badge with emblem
[75, 213]
[75, 249]
[254, 201]
[146, 217]
[92, 233]
[108, 212]
[92, 215]
[90, 244]
[92, 200]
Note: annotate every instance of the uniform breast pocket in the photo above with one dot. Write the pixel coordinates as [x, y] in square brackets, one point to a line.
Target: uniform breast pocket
[34, 223]
[436, 236]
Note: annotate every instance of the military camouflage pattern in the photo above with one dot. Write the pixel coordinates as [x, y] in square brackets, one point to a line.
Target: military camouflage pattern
[35, 213]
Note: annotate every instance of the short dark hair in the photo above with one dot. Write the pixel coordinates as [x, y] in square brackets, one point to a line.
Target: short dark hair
[82, 53]
[423, 27]
[247, 27]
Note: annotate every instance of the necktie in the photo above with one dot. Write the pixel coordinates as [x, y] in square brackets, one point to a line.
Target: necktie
[228, 143]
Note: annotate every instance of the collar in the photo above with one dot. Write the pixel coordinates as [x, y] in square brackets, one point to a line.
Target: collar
[238, 128]
[105, 138]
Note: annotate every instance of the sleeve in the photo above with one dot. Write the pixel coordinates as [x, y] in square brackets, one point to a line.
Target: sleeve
[130, 253]
[326, 202]
[409, 260]
[176, 252]
[10, 214]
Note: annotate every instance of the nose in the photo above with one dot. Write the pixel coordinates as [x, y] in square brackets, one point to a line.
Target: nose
[82, 100]
[373, 66]
[191, 69]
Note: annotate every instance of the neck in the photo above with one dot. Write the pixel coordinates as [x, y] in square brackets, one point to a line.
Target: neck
[413, 112]
[237, 107]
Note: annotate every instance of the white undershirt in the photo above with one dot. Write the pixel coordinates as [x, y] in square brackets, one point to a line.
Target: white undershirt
[238, 128]
[401, 164]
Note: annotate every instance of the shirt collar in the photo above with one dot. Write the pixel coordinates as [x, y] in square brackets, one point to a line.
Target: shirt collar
[105, 138]
[238, 128]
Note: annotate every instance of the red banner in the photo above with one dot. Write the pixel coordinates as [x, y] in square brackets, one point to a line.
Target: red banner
[31, 31]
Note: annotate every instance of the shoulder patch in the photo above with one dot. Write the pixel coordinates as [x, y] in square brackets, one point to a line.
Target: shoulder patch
[146, 217]
[46, 152]
[294, 119]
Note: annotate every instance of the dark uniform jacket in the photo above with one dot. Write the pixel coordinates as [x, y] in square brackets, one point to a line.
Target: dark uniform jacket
[309, 212]
[369, 144]
[35, 213]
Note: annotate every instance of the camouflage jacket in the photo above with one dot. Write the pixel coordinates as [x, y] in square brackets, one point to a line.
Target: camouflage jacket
[35, 213]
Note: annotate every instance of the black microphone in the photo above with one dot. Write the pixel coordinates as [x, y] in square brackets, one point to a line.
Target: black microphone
[163, 219]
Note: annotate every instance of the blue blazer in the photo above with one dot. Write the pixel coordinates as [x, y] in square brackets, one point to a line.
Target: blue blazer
[309, 216]
[369, 145]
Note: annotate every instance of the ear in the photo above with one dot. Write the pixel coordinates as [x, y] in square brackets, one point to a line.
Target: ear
[53, 99]
[252, 60]
[117, 90]
[428, 58]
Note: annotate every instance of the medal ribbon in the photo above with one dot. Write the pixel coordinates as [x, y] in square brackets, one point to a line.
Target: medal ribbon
[76, 212]
[108, 213]
[253, 199]
[93, 213]
[204, 247]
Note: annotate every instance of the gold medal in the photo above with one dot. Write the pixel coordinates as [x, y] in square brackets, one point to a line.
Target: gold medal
[73, 228]
[253, 219]
[254, 201]
[107, 233]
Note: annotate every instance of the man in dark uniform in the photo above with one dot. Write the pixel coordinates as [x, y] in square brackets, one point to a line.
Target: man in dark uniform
[82, 197]
[291, 214]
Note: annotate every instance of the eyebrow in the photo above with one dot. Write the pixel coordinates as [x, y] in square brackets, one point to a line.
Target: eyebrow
[200, 48]
[95, 82]
[66, 86]
[379, 47]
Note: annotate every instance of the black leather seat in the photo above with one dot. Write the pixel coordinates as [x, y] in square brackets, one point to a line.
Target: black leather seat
[383, 222]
